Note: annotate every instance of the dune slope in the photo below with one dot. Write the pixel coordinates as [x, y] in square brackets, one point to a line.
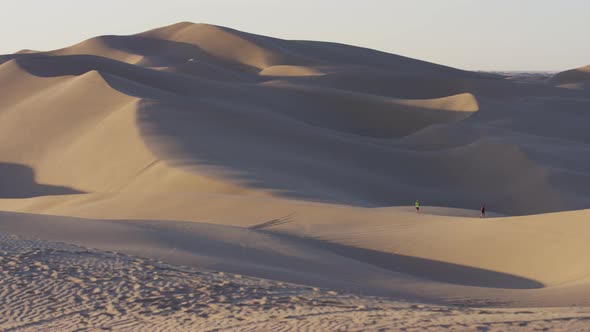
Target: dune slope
[572, 76]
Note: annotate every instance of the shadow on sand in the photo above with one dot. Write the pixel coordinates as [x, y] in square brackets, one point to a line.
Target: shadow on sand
[18, 181]
[422, 267]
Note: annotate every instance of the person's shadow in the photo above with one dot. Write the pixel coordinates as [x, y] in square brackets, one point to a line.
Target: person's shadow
[18, 181]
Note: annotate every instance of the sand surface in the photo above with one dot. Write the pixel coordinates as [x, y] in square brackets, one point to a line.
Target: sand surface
[297, 162]
[53, 286]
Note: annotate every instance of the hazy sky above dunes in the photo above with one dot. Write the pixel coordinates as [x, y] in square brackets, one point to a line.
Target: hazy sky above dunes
[468, 34]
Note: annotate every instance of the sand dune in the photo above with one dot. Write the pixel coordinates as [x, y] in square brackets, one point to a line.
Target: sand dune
[297, 161]
[572, 76]
[174, 122]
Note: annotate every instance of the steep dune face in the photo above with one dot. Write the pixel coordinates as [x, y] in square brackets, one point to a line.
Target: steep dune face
[572, 76]
[65, 116]
[81, 122]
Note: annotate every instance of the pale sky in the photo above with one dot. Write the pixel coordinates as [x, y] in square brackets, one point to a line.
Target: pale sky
[467, 34]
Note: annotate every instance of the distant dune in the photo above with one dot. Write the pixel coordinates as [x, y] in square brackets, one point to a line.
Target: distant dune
[572, 76]
[300, 161]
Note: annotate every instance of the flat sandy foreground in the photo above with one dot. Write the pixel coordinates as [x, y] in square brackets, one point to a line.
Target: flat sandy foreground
[54, 286]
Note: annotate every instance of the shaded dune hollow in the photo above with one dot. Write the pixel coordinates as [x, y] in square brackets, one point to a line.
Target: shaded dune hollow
[217, 130]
